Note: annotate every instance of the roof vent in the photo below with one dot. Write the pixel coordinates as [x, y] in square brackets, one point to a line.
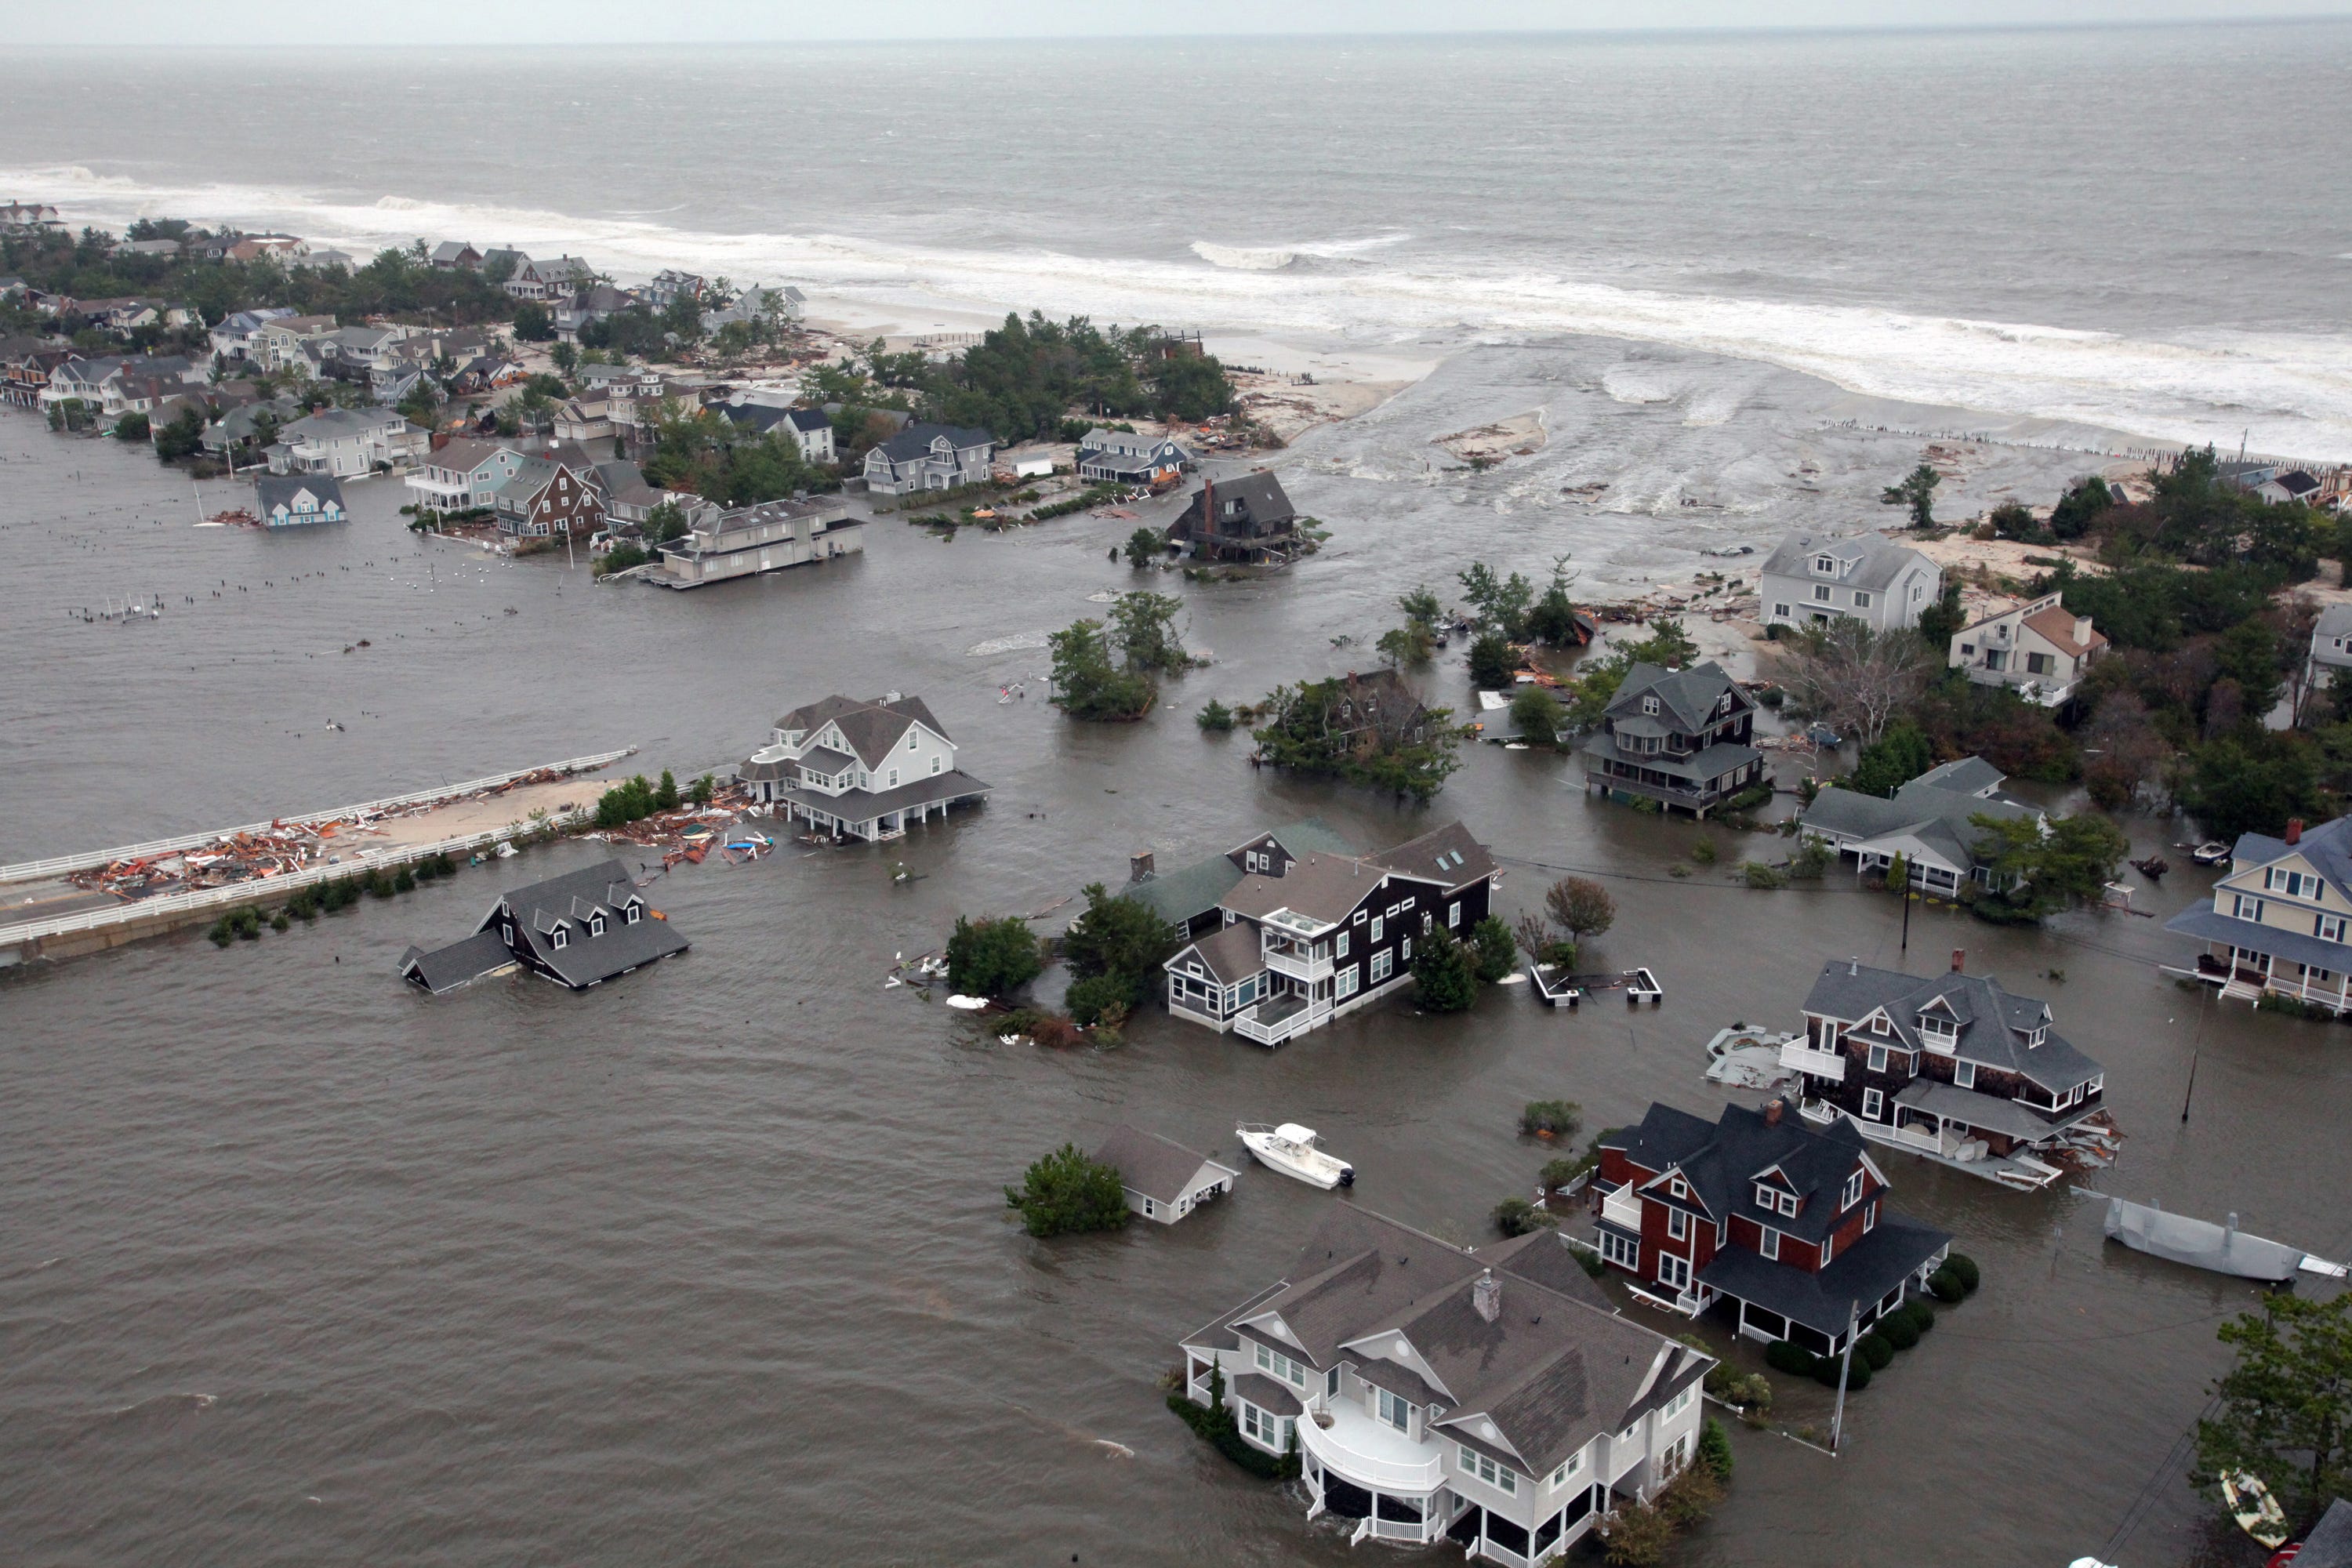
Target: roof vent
[1486, 1296]
[1853, 965]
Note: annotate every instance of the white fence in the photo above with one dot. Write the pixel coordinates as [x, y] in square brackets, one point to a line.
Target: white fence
[270, 886]
[60, 865]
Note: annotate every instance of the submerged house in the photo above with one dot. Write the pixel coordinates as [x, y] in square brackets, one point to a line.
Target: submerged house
[1680, 737]
[291, 500]
[2277, 921]
[860, 770]
[928, 457]
[1949, 1065]
[721, 543]
[1188, 897]
[1248, 518]
[1784, 1222]
[1305, 939]
[578, 930]
[1495, 1400]
[1122, 457]
[1928, 822]
[1164, 1181]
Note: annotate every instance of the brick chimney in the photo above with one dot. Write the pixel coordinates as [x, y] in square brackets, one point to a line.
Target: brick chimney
[1140, 867]
[2295, 830]
[1486, 1296]
[1773, 1112]
[1959, 960]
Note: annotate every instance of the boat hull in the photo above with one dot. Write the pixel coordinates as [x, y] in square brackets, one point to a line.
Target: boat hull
[2200, 1244]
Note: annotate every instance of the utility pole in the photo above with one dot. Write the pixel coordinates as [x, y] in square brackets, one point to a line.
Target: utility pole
[1907, 909]
[1845, 1366]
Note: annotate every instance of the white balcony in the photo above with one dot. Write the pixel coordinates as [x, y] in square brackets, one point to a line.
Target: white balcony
[1372, 1454]
[1798, 1057]
[1277, 1018]
[1297, 964]
[1622, 1207]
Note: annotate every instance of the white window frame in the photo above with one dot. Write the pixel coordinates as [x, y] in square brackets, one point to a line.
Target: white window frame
[1872, 1105]
[1787, 1204]
[1878, 1058]
[1340, 950]
[1395, 1412]
[1378, 922]
[1768, 1245]
[1861, 600]
[1452, 915]
[1673, 1271]
[1964, 1074]
[1383, 965]
[1346, 984]
[2329, 928]
[1500, 1476]
[1678, 1224]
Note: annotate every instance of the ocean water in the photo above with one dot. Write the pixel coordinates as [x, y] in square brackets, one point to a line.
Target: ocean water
[2108, 229]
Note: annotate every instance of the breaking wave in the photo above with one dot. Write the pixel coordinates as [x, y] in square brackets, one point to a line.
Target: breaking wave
[2295, 390]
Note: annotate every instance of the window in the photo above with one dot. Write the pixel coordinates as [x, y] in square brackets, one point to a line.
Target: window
[1853, 1193]
[1861, 600]
[1678, 1188]
[2293, 884]
[1622, 1250]
[1878, 1058]
[2246, 909]
[1346, 985]
[1677, 1405]
[1787, 1204]
[1870, 1217]
[560, 937]
[1822, 593]
[937, 763]
[1938, 1027]
[1383, 965]
[1452, 915]
[1674, 1270]
[2329, 928]
[1428, 921]
[1829, 1246]
[1378, 922]
[1649, 705]
[597, 924]
[1678, 1224]
[1281, 1365]
[1964, 1074]
[1257, 1424]
[1331, 1383]
[1569, 1466]
[1359, 917]
[1780, 611]
[1404, 950]
[1768, 1244]
[1151, 1210]
[1498, 1476]
[1825, 564]
[1342, 949]
[911, 740]
[1871, 1102]
[1394, 1411]
[1765, 1197]
[2037, 663]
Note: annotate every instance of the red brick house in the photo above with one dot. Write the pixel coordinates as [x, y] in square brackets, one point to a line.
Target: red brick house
[1782, 1222]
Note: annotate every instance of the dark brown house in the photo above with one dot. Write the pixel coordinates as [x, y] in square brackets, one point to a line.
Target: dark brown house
[1244, 519]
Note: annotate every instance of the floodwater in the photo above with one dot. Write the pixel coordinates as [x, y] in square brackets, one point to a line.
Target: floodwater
[713, 1263]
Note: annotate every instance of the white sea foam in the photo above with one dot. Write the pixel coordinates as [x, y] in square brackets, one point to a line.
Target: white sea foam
[2289, 392]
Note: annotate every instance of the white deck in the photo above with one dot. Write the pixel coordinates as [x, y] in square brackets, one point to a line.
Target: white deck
[1372, 1454]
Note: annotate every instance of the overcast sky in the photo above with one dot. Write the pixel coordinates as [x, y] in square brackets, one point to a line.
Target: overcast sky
[444, 22]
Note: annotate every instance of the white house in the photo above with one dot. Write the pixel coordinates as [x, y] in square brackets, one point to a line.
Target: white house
[556, 278]
[860, 770]
[2039, 647]
[1810, 579]
[2331, 647]
[721, 543]
[462, 475]
[1497, 1400]
[278, 344]
[346, 443]
[1164, 1181]
[928, 457]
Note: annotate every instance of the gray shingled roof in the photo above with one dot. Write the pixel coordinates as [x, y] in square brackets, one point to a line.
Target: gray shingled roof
[1160, 1168]
[2329, 1544]
[1877, 560]
[1689, 695]
[915, 441]
[1448, 855]
[445, 968]
[1934, 808]
[585, 959]
[1192, 890]
[1230, 953]
[1989, 1018]
[269, 489]
[872, 727]
[1864, 1273]
[1723, 1160]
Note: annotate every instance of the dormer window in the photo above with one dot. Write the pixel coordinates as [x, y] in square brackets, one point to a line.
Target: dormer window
[631, 915]
[1678, 1188]
[1825, 564]
[1853, 1193]
[1936, 1026]
[597, 924]
[560, 937]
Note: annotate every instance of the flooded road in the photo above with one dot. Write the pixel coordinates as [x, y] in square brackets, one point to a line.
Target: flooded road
[300, 1265]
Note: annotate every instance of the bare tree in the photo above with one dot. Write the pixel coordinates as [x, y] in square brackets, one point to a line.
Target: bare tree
[2124, 753]
[1857, 677]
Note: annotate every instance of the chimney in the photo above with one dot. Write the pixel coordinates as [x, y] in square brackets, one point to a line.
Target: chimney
[2082, 628]
[1853, 965]
[1139, 867]
[1959, 960]
[1486, 1296]
[1208, 505]
[1773, 1112]
[2295, 830]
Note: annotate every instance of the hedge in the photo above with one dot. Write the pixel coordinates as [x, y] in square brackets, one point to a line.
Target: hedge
[1962, 1264]
[1944, 1285]
[1217, 1427]
[1875, 1349]
[1795, 1360]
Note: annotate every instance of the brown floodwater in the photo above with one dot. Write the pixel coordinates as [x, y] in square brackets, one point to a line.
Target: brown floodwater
[302, 1265]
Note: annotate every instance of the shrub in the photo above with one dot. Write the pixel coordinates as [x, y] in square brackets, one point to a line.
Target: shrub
[1704, 852]
[1811, 861]
[279, 922]
[424, 870]
[993, 956]
[1558, 1173]
[1068, 1191]
[1214, 1421]
[1492, 949]
[1714, 1450]
[1637, 1535]
[1970, 1275]
[1517, 1216]
[1900, 1332]
[1560, 1118]
[1592, 1262]
[404, 881]
[1923, 1316]
[1946, 1286]
[1215, 717]
[1826, 1371]
[1089, 1000]
[1783, 1355]
[1691, 1495]
[1757, 874]
[1875, 1349]
[222, 933]
[1444, 980]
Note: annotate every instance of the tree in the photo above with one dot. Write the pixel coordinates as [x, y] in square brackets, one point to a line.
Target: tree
[666, 792]
[2123, 753]
[567, 358]
[1444, 979]
[1492, 949]
[1667, 646]
[1143, 547]
[1916, 489]
[1553, 619]
[993, 956]
[1088, 684]
[1517, 1216]
[1420, 608]
[2248, 654]
[1215, 717]
[1894, 760]
[2070, 860]
[2286, 1410]
[1341, 726]
[2015, 519]
[1580, 907]
[1857, 677]
[1066, 1193]
[1407, 644]
[532, 324]
[2079, 510]
[420, 405]
[1539, 715]
[1941, 620]
[665, 522]
[2252, 784]
[1492, 663]
[1120, 939]
[1502, 603]
[131, 428]
[1146, 631]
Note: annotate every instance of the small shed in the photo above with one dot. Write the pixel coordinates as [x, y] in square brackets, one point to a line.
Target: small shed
[1165, 1180]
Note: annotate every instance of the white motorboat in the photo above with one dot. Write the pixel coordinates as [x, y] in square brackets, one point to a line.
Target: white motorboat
[1292, 1150]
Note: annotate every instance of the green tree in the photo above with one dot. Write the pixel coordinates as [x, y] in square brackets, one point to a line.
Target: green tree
[1215, 717]
[1916, 489]
[2079, 510]
[993, 956]
[1667, 646]
[665, 522]
[2015, 519]
[1539, 715]
[1122, 939]
[1444, 977]
[1088, 684]
[184, 437]
[2252, 783]
[1143, 547]
[1144, 627]
[1941, 620]
[1892, 760]
[1067, 1192]
[131, 428]
[666, 792]
[2285, 1412]
[1409, 644]
[702, 789]
[1319, 728]
[2068, 861]
[1552, 619]
[1492, 663]
[1492, 950]
[1502, 603]
[532, 324]
[1420, 608]
[2248, 652]
[566, 357]
[1580, 907]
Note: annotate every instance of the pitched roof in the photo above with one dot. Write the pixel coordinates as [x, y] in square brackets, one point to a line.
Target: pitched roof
[1259, 491]
[872, 727]
[915, 441]
[1549, 1372]
[1323, 888]
[1690, 696]
[1865, 560]
[2060, 626]
[585, 960]
[446, 968]
[1936, 809]
[2326, 848]
[1447, 856]
[1194, 890]
[1160, 1168]
[1865, 1272]
[269, 489]
[1990, 1020]
[2329, 1544]
[1230, 953]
